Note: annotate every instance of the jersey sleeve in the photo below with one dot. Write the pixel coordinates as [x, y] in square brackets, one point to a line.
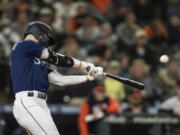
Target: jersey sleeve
[32, 48]
[61, 80]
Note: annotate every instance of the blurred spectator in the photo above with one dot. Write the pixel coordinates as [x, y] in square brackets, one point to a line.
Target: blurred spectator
[167, 77]
[103, 53]
[46, 15]
[71, 48]
[7, 39]
[106, 36]
[139, 71]
[124, 59]
[156, 31]
[177, 56]
[144, 10]
[113, 88]
[67, 27]
[20, 24]
[90, 28]
[126, 30]
[173, 7]
[121, 11]
[15, 7]
[93, 110]
[135, 106]
[173, 31]
[106, 30]
[65, 8]
[101, 5]
[172, 106]
[142, 49]
[63, 31]
[82, 11]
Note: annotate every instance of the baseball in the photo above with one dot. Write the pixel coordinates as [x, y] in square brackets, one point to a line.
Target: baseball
[164, 58]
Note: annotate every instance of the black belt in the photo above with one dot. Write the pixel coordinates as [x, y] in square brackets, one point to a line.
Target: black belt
[39, 95]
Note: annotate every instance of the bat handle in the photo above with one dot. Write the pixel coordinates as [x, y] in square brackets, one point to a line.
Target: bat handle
[105, 73]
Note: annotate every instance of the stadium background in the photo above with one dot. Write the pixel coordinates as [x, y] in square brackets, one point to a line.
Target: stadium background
[138, 39]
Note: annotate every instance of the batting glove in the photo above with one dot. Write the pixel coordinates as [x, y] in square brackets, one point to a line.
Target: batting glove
[90, 78]
[99, 72]
[88, 68]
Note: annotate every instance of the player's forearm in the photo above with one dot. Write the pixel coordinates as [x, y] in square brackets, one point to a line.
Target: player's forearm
[59, 59]
[65, 61]
[61, 80]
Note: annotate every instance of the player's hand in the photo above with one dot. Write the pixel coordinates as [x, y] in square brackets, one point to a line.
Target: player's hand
[88, 68]
[90, 78]
[99, 72]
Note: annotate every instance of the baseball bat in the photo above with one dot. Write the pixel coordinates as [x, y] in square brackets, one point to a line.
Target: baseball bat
[126, 81]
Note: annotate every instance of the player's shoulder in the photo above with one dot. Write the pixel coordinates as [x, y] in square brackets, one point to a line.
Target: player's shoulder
[23, 44]
[27, 42]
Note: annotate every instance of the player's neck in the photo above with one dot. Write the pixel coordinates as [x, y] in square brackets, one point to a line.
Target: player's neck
[31, 37]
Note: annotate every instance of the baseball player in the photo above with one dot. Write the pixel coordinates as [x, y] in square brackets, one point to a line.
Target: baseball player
[31, 77]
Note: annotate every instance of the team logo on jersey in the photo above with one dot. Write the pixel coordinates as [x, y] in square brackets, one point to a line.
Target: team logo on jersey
[38, 61]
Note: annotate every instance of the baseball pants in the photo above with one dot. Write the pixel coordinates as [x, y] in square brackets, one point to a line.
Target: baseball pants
[33, 114]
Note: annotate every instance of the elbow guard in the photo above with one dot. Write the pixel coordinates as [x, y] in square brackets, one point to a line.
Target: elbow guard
[59, 59]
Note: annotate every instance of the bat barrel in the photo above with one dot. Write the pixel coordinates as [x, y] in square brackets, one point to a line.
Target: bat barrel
[126, 81]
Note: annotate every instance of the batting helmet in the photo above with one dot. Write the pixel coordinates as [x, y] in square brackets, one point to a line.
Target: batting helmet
[42, 32]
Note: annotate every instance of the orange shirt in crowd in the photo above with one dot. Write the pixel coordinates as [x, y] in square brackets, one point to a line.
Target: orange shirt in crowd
[113, 107]
[101, 4]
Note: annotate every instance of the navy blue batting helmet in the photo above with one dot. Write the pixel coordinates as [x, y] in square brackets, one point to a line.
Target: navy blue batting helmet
[42, 32]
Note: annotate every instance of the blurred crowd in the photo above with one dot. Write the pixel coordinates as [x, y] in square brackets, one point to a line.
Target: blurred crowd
[138, 39]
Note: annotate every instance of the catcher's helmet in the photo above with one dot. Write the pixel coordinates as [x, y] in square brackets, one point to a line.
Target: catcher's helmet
[42, 32]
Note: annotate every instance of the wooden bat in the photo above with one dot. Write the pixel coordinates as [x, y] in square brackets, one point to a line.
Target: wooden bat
[126, 81]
